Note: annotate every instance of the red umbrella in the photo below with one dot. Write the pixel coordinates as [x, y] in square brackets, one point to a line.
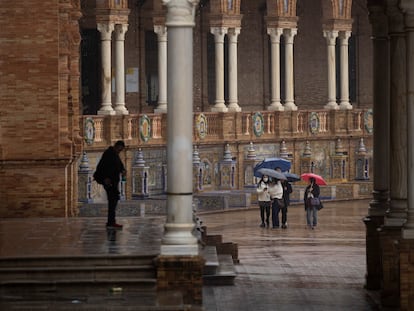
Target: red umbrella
[318, 179]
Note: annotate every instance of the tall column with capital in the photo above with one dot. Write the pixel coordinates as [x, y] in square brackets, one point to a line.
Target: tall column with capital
[106, 30]
[344, 48]
[275, 34]
[406, 246]
[219, 33]
[120, 30]
[178, 238]
[331, 36]
[289, 35]
[408, 8]
[161, 32]
[381, 98]
[398, 113]
[233, 33]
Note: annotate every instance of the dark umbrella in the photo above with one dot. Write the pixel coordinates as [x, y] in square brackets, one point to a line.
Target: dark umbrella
[271, 173]
[273, 163]
[291, 177]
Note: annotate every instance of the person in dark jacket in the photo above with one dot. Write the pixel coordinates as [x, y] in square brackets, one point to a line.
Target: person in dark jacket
[311, 191]
[108, 172]
[287, 190]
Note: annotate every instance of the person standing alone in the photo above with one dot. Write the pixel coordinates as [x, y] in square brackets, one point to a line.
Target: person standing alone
[107, 173]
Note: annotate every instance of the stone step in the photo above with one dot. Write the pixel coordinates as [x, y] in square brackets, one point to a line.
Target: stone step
[79, 271]
[225, 273]
[211, 264]
[114, 298]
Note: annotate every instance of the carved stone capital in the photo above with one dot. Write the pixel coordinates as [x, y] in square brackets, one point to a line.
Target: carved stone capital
[274, 34]
[330, 36]
[106, 30]
[180, 13]
[120, 30]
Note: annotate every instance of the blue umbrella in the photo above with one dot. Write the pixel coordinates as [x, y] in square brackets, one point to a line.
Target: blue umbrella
[291, 177]
[271, 173]
[272, 163]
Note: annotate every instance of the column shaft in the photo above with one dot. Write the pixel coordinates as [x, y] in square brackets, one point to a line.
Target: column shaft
[219, 34]
[344, 46]
[106, 91]
[331, 36]
[233, 98]
[120, 31]
[397, 214]
[275, 34]
[178, 238]
[408, 7]
[161, 32]
[289, 35]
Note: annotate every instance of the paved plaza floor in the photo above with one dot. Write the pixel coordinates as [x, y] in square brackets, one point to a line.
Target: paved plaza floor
[280, 269]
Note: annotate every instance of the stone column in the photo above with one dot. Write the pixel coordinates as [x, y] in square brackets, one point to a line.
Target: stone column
[390, 232]
[408, 8]
[161, 32]
[344, 46]
[106, 90]
[120, 31]
[406, 246]
[178, 238]
[289, 35]
[397, 214]
[380, 201]
[331, 36]
[219, 33]
[275, 34]
[233, 99]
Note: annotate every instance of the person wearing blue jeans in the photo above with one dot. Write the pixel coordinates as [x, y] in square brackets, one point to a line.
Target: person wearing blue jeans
[311, 191]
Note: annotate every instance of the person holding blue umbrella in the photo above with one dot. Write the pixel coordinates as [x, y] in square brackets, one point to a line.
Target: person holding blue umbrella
[263, 197]
[276, 195]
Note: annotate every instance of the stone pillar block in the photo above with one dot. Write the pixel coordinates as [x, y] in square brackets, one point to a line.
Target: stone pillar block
[184, 273]
[407, 274]
[390, 292]
[373, 276]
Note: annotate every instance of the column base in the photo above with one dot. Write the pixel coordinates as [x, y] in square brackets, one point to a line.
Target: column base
[161, 108]
[219, 109]
[275, 106]
[108, 111]
[121, 110]
[234, 107]
[180, 250]
[345, 106]
[290, 106]
[331, 106]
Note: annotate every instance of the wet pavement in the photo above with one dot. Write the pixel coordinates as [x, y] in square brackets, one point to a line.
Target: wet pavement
[280, 269]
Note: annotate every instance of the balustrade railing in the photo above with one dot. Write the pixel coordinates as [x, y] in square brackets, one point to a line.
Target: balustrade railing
[261, 126]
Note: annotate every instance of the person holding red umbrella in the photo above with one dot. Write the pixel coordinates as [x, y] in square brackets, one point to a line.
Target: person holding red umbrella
[312, 191]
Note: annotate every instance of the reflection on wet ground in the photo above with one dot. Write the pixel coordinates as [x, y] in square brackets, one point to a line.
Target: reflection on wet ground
[280, 269]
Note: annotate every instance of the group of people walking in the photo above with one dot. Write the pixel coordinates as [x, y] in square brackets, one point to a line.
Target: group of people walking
[274, 197]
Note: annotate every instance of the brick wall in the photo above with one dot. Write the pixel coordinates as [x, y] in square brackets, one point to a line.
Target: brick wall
[39, 107]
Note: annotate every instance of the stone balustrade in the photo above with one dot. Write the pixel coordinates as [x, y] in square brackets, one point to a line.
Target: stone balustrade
[215, 127]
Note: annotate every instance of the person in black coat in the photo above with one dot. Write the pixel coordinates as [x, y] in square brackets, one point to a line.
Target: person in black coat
[287, 190]
[108, 172]
[311, 191]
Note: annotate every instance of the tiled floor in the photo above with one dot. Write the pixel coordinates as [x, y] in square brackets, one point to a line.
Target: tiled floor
[292, 269]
